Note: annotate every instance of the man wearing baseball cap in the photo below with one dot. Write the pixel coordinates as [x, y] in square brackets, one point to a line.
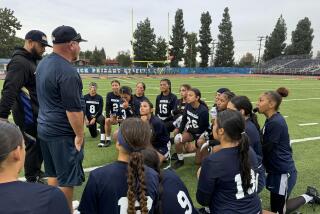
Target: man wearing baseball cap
[19, 95]
[61, 107]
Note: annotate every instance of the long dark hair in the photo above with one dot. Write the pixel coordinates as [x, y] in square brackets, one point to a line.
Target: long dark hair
[136, 134]
[233, 124]
[116, 81]
[151, 159]
[127, 90]
[10, 138]
[143, 86]
[243, 102]
[277, 96]
[168, 82]
[198, 94]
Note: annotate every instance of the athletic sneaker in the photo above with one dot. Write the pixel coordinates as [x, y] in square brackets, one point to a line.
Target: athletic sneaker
[104, 143]
[75, 204]
[174, 156]
[178, 164]
[313, 192]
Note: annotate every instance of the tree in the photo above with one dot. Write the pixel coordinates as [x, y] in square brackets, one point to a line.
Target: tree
[160, 51]
[144, 40]
[191, 50]
[205, 39]
[247, 60]
[124, 59]
[9, 24]
[301, 39]
[224, 51]
[318, 55]
[177, 39]
[275, 43]
[96, 58]
[103, 54]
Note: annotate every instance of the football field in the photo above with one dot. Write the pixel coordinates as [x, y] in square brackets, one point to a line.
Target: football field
[300, 108]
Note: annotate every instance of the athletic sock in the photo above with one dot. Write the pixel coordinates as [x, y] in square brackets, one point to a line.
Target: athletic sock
[108, 138]
[180, 156]
[307, 198]
[103, 137]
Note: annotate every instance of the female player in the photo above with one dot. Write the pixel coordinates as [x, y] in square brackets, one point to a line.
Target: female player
[112, 108]
[195, 121]
[174, 197]
[227, 179]
[126, 185]
[17, 196]
[181, 103]
[166, 103]
[243, 104]
[160, 139]
[128, 104]
[277, 156]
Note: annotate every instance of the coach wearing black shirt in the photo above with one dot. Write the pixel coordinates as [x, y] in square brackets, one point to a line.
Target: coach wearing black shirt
[19, 95]
[61, 118]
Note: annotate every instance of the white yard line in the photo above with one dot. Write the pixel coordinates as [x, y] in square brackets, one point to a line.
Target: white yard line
[307, 124]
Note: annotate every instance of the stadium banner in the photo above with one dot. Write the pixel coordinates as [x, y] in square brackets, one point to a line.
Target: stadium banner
[164, 70]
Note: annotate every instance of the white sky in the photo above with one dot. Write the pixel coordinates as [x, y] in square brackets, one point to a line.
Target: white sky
[107, 24]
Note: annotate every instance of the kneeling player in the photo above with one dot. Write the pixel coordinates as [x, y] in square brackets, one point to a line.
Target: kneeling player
[94, 106]
[195, 121]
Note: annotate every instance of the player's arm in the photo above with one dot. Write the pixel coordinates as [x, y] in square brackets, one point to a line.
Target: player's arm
[14, 81]
[99, 112]
[184, 121]
[157, 106]
[273, 137]
[204, 121]
[108, 105]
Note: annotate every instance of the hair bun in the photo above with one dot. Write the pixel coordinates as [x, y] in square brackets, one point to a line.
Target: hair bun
[283, 91]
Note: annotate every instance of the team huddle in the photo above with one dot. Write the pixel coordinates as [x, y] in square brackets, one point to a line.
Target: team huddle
[236, 158]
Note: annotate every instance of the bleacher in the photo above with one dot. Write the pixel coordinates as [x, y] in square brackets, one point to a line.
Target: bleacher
[290, 65]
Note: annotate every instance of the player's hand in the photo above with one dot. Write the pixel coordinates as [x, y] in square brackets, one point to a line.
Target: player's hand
[125, 104]
[78, 141]
[144, 118]
[93, 121]
[178, 138]
[86, 121]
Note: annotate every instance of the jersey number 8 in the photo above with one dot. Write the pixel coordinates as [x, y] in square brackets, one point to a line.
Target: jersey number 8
[92, 109]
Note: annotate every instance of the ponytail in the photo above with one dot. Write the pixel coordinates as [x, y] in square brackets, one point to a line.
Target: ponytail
[245, 168]
[136, 183]
[253, 117]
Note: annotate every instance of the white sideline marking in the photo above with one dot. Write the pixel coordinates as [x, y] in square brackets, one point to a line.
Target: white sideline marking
[285, 116]
[298, 99]
[307, 124]
[193, 154]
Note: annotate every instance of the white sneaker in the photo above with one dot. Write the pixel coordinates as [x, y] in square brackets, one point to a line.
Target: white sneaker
[75, 204]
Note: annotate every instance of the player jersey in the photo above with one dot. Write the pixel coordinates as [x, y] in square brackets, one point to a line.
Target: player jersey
[94, 105]
[131, 111]
[220, 185]
[254, 137]
[112, 104]
[180, 108]
[275, 134]
[106, 190]
[139, 101]
[160, 134]
[165, 105]
[195, 121]
[175, 198]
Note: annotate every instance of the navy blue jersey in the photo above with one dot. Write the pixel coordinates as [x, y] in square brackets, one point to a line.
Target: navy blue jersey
[112, 104]
[195, 121]
[254, 137]
[165, 105]
[180, 108]
[277, 152]
[106, 190]
[131, 111]
[220, 186]
[160, 134]
[21, 197]
[59, 89]
[175, 198]
[94, 105]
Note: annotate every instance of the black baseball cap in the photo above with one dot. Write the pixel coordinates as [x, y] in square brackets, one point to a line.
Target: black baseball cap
[37, 36]
[64, 34]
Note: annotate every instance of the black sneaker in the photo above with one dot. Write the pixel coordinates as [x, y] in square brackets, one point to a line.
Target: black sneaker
[174, 156]
[104, 143]
[313, 192]
[178, 164]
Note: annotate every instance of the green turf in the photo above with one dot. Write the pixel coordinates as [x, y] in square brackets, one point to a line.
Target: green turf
[298, 111]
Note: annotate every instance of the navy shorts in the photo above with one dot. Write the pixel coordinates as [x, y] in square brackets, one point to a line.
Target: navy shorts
[62, 160]
[281, 184]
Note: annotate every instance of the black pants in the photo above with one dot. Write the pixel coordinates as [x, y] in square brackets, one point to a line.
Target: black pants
[34, 159]
[93, 128]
